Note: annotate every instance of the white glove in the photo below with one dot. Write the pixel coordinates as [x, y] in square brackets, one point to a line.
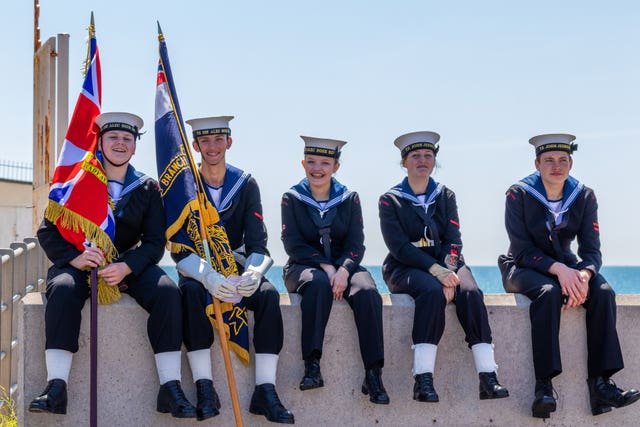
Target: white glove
[196, 268]
[439, 271]
[250, 282]
[255, 267]
[219, 287]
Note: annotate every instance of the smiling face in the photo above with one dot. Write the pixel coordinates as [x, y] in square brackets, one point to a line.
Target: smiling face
[419, 163]
[319, 170]
[212, 148]
[118, 146]
[554, 167]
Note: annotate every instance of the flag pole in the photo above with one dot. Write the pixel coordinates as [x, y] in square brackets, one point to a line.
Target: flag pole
[233, 390]
[93, 399]
[93, 334]
[231, 380]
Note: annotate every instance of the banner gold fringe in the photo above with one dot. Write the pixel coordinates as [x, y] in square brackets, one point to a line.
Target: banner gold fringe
[241, 352]
[93, 233]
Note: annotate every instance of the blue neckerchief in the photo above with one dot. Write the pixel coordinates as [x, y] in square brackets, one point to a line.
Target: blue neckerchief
[532, 184]
[337, 194]
[234, 180]
[132, 180]
[404, 191]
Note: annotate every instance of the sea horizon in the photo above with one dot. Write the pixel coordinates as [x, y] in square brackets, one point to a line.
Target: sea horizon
[624, 279]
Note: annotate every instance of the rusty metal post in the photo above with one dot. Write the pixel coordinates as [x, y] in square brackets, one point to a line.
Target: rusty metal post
[62, 92]
[36, 25]
[43, 148]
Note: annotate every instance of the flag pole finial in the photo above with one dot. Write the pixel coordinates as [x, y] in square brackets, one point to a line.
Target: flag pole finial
[92, 26]
[160, 35]
[91, 29]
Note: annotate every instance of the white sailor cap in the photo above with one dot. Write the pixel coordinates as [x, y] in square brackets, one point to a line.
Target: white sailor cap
[120, 121]
[210, 126]
[322, 146]
[554, 142]
[417, 140]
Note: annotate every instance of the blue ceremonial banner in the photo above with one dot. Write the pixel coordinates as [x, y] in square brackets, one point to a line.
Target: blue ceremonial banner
[186, 204]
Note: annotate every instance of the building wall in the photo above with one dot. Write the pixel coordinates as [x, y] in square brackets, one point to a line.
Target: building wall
[15, 211]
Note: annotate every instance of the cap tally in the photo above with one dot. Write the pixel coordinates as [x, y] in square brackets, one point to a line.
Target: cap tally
[322, 146]
[120, 121]
[416, 141]
[210, 126]
[554, 142]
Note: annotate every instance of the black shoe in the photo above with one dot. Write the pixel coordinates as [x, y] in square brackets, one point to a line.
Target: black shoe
[423, 390]
[372, 385]
[171, 398]
[544, 402]
[490, 388]
[265, 401]
[208, 401]
[312, 375]
[603, 394]
[53, 399]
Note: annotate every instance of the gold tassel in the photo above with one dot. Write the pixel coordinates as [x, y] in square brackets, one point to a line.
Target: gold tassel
[106, 294]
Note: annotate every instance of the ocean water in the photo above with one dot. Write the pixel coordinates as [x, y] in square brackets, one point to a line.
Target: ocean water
[624, 280]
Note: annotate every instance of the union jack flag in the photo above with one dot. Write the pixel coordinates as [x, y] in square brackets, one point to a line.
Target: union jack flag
[78, 197]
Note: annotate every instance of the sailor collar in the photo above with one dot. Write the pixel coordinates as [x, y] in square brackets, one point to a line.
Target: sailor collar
[532, 184]
[234, 180]
[337, 194]
[404, 191]
[132, 180]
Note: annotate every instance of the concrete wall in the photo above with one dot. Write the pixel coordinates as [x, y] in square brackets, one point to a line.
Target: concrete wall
[128, 383]
[15, 211]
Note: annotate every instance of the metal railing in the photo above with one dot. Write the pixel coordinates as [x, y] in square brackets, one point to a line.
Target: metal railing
[23, 269]
[16, 171]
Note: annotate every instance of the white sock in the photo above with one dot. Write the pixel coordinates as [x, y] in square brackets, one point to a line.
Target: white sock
[483, 356]
[200, 363]
[168, 365]
[424, 358]
[266, 367]
[58, 364]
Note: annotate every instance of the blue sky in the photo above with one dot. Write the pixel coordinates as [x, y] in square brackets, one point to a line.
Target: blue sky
[486, 75]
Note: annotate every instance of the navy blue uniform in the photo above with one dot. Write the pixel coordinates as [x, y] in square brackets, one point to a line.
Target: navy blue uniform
[419, 235]
[240, 213]
[303, 274]
[140, 241]
[525, 269]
